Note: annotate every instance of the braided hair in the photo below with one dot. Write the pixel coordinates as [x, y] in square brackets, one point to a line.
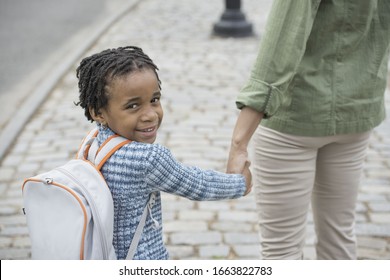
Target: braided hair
[97, 71]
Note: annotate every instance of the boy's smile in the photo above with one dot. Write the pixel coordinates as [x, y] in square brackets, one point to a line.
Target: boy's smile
[134, 110]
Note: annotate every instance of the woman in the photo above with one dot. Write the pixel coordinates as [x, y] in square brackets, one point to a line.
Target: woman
[317, 88]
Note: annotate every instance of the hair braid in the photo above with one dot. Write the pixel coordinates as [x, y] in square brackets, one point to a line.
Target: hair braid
[96, 71]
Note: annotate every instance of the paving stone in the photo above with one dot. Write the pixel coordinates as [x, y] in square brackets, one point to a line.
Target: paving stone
[372, 243]
[22, 242]
[14, 219]
[368, 254]
[179, 205]
[185, 226]
[214, 252]
[14, 231]
[247, 251]
[38, 146]
[33, 158]
[360, 207]
[28, 168]
[380, 206]
[238, 215]
[13, 202]
[383, 189]
[215, 205]
[380, 218]
[21, 147]
[370, 229]
[245, 204]
[371, 197]
[168, 216]
[5, 242]
[53, 163]
[241, 238]
[8, 210]
[3, 188]
[309, 253]
[361, 217]
[226, 226]
[12, 160]
[15, 254]
[6, 173]
[196, 215]
[181, 252]
[199, 238]
[311, 237]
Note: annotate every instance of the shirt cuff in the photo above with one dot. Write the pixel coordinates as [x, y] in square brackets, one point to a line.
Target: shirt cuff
[260, 96]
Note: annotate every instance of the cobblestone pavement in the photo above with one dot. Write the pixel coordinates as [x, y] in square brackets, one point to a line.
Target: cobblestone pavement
[201, 76]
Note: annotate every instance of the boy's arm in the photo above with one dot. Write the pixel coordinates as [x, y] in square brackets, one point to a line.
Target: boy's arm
[167, 174]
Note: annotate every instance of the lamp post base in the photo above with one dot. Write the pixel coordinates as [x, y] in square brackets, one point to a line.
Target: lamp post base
[233, 22]
[233, 29]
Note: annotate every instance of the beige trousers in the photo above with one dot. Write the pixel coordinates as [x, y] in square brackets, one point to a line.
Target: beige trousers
[292, 171]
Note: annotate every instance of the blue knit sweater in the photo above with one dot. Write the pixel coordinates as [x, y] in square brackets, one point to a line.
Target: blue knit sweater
[137, 170]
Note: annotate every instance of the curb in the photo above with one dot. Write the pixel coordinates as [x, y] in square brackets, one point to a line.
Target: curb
[38, 95]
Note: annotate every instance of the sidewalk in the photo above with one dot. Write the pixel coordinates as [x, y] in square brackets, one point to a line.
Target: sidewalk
[201, 76]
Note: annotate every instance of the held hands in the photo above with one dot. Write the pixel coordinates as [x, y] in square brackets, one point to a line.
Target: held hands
[238, 163]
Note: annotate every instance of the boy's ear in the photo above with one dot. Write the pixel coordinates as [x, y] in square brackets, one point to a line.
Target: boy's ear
[97, 116]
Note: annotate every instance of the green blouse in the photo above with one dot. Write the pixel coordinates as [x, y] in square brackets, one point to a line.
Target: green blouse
[322, 67]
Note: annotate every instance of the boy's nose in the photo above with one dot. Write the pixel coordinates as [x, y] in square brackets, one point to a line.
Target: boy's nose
[149, 115]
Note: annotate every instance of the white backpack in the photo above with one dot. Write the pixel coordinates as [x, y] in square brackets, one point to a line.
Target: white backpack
[70, 210]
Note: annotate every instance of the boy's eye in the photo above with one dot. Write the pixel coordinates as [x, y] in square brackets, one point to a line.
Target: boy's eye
[155, 99]
[132, 106]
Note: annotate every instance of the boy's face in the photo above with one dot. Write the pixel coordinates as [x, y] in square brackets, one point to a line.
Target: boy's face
[134, 110]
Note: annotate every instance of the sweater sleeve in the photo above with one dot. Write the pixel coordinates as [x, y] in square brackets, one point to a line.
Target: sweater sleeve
[281, 50]
[166, 174]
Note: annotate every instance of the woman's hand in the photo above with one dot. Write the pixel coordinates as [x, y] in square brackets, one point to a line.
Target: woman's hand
[237, 160]
[248, 177]
[238, 163]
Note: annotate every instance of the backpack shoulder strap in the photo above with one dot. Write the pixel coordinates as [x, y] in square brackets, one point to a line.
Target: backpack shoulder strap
[90, 150]
[110, 146]
[141, 225]
[86, 143]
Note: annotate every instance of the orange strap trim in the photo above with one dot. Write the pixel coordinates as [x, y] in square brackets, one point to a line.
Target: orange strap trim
[117, 147]
[107, 140]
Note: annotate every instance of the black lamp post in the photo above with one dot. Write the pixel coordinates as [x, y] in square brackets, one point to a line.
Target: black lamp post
[233, 22]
